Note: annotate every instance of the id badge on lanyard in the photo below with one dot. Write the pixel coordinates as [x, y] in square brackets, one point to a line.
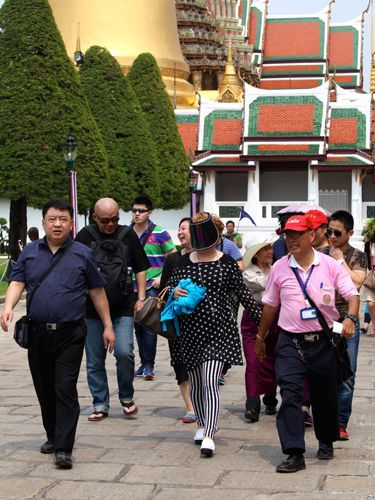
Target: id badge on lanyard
[307, 312]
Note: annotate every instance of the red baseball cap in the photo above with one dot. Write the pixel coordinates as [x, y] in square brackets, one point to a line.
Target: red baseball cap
[317, 218]
[297, 223]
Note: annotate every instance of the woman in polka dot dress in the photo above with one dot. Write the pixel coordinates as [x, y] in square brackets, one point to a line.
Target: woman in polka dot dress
[209, 336]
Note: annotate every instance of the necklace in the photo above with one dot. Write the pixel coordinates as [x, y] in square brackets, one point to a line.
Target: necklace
[213, 309]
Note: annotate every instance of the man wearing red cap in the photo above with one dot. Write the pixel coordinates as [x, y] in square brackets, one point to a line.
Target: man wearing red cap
[303, 349]
[319, 222]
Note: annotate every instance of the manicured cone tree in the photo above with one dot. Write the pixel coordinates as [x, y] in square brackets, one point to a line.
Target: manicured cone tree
[42, 102]
[132, 155]
[149, 87]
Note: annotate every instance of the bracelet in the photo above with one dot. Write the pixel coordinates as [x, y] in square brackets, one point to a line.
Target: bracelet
[260, 338]
[141, 299]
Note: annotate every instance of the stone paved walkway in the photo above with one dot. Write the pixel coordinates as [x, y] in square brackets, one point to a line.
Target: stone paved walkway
[153, 456]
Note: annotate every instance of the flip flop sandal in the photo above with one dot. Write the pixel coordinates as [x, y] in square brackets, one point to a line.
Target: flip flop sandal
[371, 332]
[126, 408]
[97, 416]
[189, 418]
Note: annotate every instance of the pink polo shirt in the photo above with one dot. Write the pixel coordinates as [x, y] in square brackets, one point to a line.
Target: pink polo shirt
[283, 289]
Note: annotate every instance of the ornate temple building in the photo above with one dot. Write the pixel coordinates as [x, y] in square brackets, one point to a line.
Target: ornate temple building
[302, 135]
[271, 109]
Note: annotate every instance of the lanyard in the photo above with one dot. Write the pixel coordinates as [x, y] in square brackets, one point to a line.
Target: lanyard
[301, 283]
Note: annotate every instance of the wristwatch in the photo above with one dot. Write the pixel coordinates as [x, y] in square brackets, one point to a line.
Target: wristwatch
[353, 317]
[141, 299]
[340, 261]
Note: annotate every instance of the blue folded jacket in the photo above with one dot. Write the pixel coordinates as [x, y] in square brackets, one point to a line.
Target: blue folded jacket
[184, 305]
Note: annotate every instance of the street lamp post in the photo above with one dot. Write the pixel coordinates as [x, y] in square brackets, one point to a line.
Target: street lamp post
[192, 188]
[70, 155]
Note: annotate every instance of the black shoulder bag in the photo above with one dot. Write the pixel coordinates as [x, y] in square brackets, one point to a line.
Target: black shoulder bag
[21, 328]
[344, 369]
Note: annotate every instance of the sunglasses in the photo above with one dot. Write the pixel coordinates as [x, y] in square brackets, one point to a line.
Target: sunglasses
[107, 220]
[336, 232]
[139, 210]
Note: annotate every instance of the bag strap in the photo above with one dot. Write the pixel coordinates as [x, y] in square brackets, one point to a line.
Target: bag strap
[123, 232]
[321, 318]
[148, 234]
[47, 272]
[94, 232]
[163, 292]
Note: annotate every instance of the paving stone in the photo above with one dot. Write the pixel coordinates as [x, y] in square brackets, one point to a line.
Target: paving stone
[195, 476]
[272, 482]
[97, 471]
[79, 490]
[346, 484]
[22, 488]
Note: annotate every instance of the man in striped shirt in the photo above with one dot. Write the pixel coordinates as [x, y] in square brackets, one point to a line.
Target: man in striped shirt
[157, 244]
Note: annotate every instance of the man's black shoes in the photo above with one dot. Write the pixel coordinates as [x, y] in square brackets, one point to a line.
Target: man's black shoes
[63, 460]
[270, 410]
[293, 463]
[252, 415]
[47, 447]
[325, 451]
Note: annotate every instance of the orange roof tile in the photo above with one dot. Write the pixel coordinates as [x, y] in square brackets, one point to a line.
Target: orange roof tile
[290, 83]
[341, 48]
[343, 130]
[292, 39]
[284, 118]
[227, 131]
[188, 133]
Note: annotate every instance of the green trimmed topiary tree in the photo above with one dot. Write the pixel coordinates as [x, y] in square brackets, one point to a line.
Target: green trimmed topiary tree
[42, 102]
[132, 154]
[149, 88]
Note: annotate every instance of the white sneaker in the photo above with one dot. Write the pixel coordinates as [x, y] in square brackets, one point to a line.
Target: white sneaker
[208, 447]
[199, 436]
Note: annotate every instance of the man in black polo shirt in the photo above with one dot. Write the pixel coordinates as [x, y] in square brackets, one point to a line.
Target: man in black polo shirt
[120, 244]
[58, 329]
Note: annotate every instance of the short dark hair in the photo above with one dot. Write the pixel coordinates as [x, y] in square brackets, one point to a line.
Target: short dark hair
[33, 233]
[229, 222]
[345, 218]
[143, 200]
[184, 219]
[59, 205]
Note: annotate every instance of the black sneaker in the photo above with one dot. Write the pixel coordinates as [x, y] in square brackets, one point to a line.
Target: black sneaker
[325, 451]
[270, 410]
[293, 463]
[47, 447]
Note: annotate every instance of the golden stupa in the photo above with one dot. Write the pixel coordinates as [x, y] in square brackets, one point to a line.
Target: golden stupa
[127, 28]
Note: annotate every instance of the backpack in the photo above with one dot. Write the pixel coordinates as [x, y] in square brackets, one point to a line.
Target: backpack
[112, 257]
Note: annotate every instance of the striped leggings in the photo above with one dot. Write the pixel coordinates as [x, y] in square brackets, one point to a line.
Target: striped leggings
[205, 394]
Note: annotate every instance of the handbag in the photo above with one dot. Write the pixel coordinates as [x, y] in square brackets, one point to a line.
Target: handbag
[22, 332]
[149, 316]
[344, 368]
[370, 280]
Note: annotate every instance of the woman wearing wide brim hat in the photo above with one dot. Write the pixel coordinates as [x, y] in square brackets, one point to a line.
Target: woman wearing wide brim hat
[209, 336]
[259, 377]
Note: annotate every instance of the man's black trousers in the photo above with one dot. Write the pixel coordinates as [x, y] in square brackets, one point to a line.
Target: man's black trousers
[320, 369]
[55, 358]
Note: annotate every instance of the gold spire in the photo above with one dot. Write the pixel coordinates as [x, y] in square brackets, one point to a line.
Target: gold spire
[231, 88]
[78, 44]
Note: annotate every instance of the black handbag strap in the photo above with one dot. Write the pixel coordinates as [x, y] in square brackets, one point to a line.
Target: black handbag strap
[148, 234]
[47, 272]
[321, 318]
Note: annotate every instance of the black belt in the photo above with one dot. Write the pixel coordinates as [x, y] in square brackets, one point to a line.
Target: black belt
[56, 326]
[307, 337]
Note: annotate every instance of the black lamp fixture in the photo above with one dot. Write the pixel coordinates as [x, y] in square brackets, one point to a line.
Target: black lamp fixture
[70, 152]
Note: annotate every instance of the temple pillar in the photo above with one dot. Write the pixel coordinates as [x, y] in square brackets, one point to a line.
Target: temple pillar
[197, 80]
[210, 204]
[313, 186]
[252, 207]
[356, 209]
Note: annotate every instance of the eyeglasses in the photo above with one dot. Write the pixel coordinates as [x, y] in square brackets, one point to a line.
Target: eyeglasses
[107, 220]
[139, 210]
[336, 232]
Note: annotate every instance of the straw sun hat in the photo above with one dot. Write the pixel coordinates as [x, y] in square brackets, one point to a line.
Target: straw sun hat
[252, 248]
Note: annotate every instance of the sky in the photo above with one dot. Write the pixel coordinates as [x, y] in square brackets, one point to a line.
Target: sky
[342, 10]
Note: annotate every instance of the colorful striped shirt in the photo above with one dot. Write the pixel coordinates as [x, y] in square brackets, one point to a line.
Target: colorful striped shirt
[159, 243]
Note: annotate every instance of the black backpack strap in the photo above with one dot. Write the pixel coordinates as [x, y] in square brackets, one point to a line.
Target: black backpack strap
[94, 232]
[123, 232]
[47, 272]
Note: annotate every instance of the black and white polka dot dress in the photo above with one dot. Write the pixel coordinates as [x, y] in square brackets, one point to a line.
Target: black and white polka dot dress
[211, 331]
